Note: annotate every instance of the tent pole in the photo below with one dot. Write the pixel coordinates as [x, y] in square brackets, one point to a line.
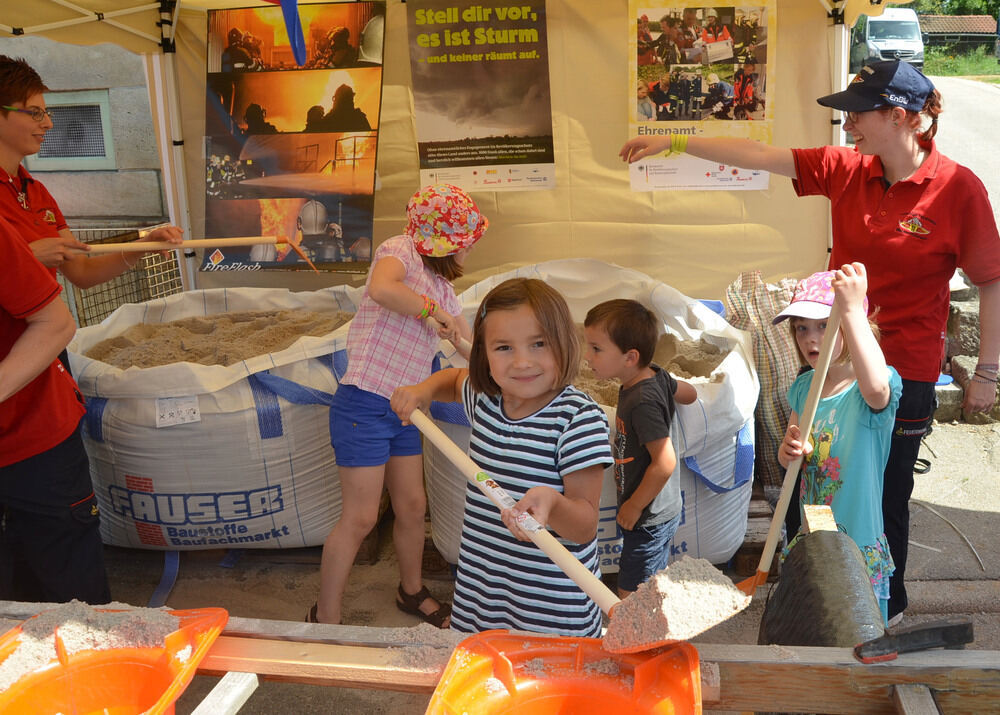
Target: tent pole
[176, 146]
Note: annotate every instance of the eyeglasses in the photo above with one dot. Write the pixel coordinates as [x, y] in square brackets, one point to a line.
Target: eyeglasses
[36, 113]
[852, 117]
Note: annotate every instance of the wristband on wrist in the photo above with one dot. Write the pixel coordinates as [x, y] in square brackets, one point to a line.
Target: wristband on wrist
[983, 378]
[678, 144]
[429, 307]
[128, 266]
[986, 367]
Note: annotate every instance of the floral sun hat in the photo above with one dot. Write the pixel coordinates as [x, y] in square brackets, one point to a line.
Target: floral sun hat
[442, 219]
[813, 298]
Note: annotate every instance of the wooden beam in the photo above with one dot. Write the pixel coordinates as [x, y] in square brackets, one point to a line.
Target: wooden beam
[818, 517]
[914, 700]
[321, 664]
[775, 678]
[802, 679]
[229, 695]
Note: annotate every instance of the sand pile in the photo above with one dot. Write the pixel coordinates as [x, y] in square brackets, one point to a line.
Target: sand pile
[686, 598]
[432, 653]
[81, 628]
[221, 339]
[681, 358]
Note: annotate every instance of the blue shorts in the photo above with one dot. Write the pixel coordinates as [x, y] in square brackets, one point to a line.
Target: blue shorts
[645, 550]
[365, 432]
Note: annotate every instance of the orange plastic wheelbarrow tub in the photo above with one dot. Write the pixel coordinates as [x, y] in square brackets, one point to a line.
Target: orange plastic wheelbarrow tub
[117, 681]
[499, 672]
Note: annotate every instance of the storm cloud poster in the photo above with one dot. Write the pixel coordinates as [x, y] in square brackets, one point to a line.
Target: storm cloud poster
[481, 95]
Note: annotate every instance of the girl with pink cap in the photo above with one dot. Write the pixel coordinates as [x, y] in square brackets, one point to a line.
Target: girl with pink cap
[390, 344]
[846, 453]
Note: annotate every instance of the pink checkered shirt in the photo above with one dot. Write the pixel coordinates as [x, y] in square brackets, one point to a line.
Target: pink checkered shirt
[386, 349]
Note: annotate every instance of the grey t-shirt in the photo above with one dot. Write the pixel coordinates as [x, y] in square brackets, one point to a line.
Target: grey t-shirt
[645, 412]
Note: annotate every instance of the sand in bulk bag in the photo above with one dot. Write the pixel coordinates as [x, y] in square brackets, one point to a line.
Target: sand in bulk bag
[713, 437]
[188, 456]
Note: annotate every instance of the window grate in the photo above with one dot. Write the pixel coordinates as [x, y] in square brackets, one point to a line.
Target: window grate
[76, 132]
[154, 276]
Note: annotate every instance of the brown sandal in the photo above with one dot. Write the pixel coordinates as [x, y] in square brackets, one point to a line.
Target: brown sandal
[410, 603]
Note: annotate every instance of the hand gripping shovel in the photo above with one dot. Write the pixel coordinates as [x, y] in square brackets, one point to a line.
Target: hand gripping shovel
[749, 586]
[560, 555]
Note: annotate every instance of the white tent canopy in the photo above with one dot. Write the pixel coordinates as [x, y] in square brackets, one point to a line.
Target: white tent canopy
[696, 241]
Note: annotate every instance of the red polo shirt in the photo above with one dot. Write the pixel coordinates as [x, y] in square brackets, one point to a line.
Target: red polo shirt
[36, 215]
[45, 411]
[911, 236]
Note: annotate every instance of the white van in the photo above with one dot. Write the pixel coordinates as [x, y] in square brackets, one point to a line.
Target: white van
[893, 35]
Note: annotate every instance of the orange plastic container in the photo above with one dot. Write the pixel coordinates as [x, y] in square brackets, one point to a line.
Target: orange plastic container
[498, 672]
[117, 681]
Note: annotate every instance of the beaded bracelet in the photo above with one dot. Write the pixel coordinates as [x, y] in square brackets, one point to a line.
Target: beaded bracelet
[979, 378]
[430, 307]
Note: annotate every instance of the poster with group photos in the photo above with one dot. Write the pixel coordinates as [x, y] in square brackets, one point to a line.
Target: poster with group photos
[703, 71]
[481, 96]
[289, 149]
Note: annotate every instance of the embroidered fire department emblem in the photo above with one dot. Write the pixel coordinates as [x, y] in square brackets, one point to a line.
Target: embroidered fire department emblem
[50, 216]
[912, 224]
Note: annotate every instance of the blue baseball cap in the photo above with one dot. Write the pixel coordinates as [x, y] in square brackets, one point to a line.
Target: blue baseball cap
[882, 84]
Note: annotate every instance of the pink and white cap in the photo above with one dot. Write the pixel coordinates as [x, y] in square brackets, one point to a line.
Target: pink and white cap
[813, 298]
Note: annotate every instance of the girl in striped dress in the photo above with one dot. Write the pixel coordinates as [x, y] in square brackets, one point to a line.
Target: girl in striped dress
[544, 442]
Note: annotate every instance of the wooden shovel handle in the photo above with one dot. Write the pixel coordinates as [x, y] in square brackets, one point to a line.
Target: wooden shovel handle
[560, 555]
[143, 246]
[805, 426]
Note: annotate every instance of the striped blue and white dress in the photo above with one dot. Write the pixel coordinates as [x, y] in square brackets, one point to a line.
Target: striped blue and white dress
[503, 582]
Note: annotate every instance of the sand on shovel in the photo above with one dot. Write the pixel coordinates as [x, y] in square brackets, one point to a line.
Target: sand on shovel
[676, 604]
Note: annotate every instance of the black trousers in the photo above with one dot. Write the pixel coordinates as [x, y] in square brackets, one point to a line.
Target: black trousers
[913, 418]
[50, 542]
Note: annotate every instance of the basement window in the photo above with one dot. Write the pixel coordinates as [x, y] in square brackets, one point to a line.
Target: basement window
[80, 138]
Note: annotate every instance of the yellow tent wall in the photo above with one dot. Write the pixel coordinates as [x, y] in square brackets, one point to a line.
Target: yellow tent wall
[696, 241]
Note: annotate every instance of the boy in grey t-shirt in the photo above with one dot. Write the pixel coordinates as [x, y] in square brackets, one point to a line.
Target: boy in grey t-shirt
[620, 340]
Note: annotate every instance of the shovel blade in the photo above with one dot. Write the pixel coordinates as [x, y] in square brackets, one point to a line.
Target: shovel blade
[749, 585]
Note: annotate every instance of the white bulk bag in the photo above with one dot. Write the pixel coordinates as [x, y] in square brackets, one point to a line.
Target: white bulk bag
[713, 437]
[188, 456]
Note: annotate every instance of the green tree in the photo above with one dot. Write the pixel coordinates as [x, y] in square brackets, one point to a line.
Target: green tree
[956, 7]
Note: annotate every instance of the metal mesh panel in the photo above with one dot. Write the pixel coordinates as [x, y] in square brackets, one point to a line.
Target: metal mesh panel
[153, 276]
[76, 132]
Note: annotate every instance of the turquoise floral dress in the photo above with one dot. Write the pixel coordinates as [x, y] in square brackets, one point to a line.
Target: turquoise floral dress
[850, 448]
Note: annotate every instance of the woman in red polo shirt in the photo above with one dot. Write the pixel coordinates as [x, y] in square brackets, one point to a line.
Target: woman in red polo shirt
[911, 215]
[24, 201]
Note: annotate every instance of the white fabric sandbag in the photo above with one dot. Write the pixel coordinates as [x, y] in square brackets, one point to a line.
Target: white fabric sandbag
[705, 432]
[188, 456]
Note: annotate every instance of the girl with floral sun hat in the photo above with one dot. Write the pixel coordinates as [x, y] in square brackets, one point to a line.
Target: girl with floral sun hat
[390, 343]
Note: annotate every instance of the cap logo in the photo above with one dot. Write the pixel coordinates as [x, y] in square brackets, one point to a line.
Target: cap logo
[896, 98]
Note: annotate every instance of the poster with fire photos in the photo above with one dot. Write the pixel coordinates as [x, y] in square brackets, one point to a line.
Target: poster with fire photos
[704, 71]
[289, 149]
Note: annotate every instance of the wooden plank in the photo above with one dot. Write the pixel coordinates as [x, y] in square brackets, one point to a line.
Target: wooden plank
[759, 509]
[804, 679]
[818, 517]
[229, 694]
[322, 664]
[914, 700]
[765, 678]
